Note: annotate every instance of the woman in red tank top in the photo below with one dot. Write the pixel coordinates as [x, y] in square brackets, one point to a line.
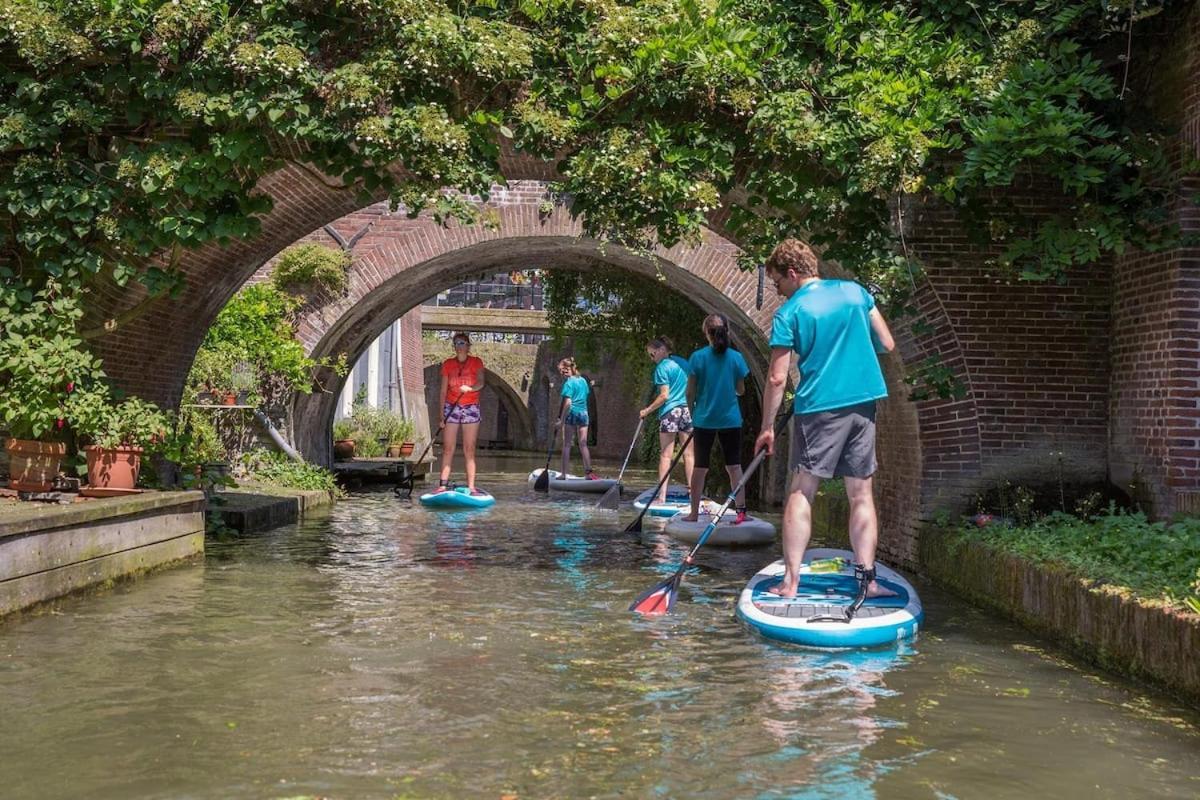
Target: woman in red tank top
[462, 380]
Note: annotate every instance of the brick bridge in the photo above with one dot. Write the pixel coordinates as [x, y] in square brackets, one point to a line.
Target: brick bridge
[1097, 378]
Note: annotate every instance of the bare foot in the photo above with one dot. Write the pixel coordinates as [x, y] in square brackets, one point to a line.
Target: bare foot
[690, 518]
[784, 589]
[875, 590]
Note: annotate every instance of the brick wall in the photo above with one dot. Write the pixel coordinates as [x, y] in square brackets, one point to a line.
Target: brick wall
[1154, 439]
[1033, 359]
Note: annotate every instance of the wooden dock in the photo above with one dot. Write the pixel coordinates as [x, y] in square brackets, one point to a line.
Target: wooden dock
[378, 470]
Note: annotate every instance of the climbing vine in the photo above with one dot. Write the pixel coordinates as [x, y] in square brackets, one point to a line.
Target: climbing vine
[133, 130]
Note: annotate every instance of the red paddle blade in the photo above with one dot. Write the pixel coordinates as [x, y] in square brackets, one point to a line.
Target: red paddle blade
[659, 600]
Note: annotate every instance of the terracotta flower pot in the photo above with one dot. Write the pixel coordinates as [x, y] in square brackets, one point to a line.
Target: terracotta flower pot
[33, 465]
[117, 468]
[406, 449]
[343, 449]
[229, 399]
[393, 451]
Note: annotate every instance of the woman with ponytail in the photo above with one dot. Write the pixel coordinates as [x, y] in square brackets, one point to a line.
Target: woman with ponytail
[718, 379]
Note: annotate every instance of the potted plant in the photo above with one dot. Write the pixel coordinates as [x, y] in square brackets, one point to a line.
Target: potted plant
[242, 382]
[399, 433]
[41, 360]
[213, 372]
[343, 439]
[120, 431]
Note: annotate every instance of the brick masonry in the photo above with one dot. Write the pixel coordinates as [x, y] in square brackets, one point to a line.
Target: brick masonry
[1154, 404]
[1093, 378]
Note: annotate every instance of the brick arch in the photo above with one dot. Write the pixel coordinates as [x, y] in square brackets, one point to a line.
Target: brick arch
[401, 262]
[151, 354]
[519, 415]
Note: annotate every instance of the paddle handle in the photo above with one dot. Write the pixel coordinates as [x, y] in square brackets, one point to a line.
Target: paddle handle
[759, 457]
[636, 433]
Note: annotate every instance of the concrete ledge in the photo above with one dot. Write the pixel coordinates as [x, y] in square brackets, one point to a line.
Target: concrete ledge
[253, 507]
[1100, 623]
[46, 552]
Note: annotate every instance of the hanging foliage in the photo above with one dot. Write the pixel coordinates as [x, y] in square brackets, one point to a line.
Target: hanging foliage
[132, 130]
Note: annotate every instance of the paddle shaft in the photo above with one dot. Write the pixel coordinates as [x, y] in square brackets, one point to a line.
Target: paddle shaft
[636, 525]
[733, 493]
[636, 433]
[433, 439]
[554, 433]
[542, 484]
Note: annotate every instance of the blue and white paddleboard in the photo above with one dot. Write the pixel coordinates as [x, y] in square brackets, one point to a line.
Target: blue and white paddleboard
[881, 620]
[458, 497]
[678, 499]
[574, 483]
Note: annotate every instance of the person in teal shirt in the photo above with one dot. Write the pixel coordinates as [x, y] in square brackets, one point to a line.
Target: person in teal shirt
[836, 331]
[674, 416]
[574, 416]
[718, 379]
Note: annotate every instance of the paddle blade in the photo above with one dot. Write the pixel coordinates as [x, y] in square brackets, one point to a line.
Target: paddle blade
[636, 525]
[659, 600]
[542, 484]
[611, 499]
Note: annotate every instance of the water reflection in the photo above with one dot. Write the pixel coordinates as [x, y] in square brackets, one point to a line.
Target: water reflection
[385, 650]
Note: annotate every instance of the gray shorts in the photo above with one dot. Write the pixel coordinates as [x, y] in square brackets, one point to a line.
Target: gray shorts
[839, 443]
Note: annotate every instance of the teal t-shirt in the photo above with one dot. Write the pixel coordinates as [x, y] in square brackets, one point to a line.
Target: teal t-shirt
[576, 388]
[682, 362]
[716, 403]
[668, 373]
[827, 323]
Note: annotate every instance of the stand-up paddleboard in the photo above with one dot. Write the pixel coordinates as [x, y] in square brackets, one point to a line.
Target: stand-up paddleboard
[827, 588]
[574, 483]
[458, 497]
[678, 499]
[752, 531]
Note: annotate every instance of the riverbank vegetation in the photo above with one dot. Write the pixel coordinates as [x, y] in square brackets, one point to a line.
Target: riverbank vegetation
[1156, 561]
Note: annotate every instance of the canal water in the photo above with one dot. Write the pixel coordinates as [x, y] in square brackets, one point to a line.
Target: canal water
[386, 651]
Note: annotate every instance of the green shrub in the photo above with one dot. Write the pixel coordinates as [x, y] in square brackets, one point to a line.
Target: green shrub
[276, 468]
[306, 267]
[108, 423]
[343, 429]
[1156, 560]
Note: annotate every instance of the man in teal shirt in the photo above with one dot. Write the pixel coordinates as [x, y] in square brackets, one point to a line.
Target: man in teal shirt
[835, 329]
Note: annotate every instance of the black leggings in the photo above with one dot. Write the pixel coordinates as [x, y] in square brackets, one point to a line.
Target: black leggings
[731, 445]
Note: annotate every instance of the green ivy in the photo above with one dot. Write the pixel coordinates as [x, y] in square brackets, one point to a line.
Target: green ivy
[255, 331]
[309, 267]
[133, 130]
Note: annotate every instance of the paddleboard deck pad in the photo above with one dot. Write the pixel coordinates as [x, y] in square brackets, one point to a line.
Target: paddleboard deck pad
[753, 531]
[574, 483]
[880, 620]
[678, 499]
[458, 497]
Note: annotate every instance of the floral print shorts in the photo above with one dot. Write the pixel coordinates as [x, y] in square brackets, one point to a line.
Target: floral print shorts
[677, 420]
[463, 415]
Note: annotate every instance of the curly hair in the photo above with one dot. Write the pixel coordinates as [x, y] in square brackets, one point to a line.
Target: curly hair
[795, 255]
